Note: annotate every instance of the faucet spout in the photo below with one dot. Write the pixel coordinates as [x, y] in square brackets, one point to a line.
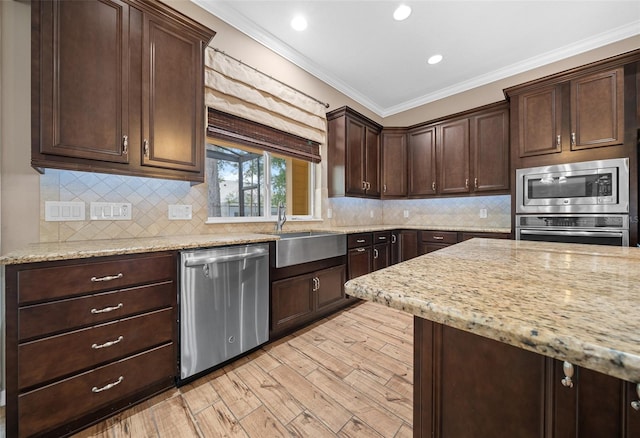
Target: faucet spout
[282, 217]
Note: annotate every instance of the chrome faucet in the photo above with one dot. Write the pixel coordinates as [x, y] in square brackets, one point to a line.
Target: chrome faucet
[282, 218]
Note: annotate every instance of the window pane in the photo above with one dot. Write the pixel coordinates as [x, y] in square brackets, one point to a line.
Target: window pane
[278, 183]
[236, 179]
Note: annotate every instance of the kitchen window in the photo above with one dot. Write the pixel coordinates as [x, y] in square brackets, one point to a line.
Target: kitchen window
[247, 184]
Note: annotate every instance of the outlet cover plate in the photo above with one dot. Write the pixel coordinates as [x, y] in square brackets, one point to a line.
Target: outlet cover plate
[110, 211]
[180, 212]
[60, 211]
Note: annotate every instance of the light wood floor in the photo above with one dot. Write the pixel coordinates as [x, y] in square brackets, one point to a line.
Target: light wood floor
[349, 375]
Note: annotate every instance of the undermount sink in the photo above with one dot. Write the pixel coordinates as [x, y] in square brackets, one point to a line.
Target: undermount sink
[302, 247]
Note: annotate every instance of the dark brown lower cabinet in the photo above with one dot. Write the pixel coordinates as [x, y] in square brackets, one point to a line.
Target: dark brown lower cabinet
[408, 244]
[360, 261]
[300, 299]
[466, 385]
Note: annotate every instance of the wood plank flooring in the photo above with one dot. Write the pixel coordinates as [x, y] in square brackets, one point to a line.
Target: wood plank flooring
[349, 375]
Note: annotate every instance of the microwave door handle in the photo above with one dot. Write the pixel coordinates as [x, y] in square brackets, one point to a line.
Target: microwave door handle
[572, 233]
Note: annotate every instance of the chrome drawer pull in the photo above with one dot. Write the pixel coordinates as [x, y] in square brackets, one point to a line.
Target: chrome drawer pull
[107, 386]
[107, 278]
[107, 344]
[360, 249]
[107, 309]
[438, 238]
[636, 403]
[360, 241]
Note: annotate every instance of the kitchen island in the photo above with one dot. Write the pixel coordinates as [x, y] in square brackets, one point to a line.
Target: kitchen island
[520, 338]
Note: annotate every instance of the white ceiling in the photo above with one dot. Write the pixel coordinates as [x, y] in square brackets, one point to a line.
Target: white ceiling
[358, 48]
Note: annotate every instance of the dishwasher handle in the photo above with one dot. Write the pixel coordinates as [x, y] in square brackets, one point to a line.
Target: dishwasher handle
[225, 258]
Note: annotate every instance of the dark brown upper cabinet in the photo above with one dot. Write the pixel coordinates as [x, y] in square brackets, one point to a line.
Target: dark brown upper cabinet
[118, 87]
[452, 153]
[421, 147]
[394, 163]
[354, 154]
[584, 112]
[597, 110]
[490, 151]
[460, 155]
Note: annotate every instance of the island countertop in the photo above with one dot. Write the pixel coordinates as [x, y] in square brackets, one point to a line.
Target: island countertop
[572, 302]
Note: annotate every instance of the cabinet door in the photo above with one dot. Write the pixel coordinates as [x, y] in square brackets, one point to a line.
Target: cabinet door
[422, 162]
[329, 288]
[490, 151]
[408, 244]
[453, 157]
[426, 248]
[394, 165]
[172, 97]
[597, 110]
[372, 162]
[355, 166]
[291, 302]
[381, 256]
[360, 261]
[540, 121]
[592, 407]
[84, 47]
[632, 426]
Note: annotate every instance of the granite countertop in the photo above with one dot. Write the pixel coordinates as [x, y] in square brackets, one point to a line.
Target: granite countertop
[41, 252]
[572, 302]
[51, 251]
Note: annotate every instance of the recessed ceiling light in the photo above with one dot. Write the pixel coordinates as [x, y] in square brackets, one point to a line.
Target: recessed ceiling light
[299, 23]
[402, 12]
[434, 59]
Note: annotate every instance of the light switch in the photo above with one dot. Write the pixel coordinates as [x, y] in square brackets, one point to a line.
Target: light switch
[110, 211]
[59, 211]
[180, 212]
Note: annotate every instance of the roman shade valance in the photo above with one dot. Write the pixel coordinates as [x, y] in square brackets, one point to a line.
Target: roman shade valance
[239, 90]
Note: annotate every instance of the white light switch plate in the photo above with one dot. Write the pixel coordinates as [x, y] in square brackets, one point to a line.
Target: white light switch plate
[59, 211]
[180, 212]
[110, 211]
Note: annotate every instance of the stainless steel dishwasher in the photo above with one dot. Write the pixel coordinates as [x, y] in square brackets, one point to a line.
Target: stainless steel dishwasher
[224, 305]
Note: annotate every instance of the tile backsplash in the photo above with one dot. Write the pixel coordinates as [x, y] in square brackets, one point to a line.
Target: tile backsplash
[151, 197]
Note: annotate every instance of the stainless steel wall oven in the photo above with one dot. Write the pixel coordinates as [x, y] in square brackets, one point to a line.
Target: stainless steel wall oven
[585, 202]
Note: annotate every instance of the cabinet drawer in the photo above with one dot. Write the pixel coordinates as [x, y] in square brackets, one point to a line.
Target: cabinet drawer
[56, 404]
[43, 319]
[358, 240]
[57, 356]
[439, 236]
[381, 237]
[67, 280]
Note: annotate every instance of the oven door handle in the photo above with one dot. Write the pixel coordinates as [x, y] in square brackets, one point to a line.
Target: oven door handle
[572, 233]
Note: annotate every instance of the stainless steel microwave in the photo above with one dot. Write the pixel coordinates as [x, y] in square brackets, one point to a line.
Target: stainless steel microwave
[587, 187]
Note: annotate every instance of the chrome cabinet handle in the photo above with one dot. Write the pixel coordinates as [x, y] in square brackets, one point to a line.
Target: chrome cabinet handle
[567, 368]
[393, 238]
[573, 139]
[382, 237]
[318, 282]
[384, 188]
[438, 238]
[475, 183]
[636, 403]
[107, 344]
[146, 147]
[364, 185]
[107, 309]
[368, 185]
[108, 386]
[558, 141]
[125, 144]
[360, 241]
[315, 284]
[375, 253]
[107, 278]
[433, 186]
[466, 183]
[360, 249]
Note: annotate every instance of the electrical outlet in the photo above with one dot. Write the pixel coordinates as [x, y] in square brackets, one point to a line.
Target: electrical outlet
[180, 212]
[110, 211]
[329, 213]
[483, 213]
[371, 213]
[58, 211]
[405, 213]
